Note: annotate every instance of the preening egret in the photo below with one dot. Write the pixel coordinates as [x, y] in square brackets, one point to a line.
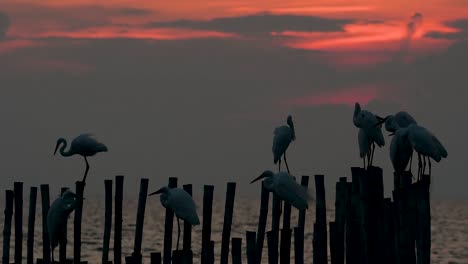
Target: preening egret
[57, 218]
[181, 203]
[83, 145]
[283, 136]
[369, 133]
[401, 119]
[285, 186]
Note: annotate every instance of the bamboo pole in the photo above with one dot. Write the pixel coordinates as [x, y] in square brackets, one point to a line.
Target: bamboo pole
[187, 243]
[45, 234]
[18, 200]
[168, 224]
[119, 181]
[207, 217]
[107, 221]
[136, 255]
[31, 222]
[228, 212]
[77, 222]
[9, 199]
[63, 242]
[262, 220]
[236, 250]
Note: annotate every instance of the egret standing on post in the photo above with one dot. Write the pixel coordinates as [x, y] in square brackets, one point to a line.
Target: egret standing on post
[369, 133]
[83, 145]
[181, 203]
[285, 186]
[283, 136]
[57, 218]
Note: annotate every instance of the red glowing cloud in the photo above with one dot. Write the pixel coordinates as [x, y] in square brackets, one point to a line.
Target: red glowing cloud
[342, 97]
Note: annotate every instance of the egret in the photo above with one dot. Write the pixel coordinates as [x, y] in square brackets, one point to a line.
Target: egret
[84, 145]
[57, 218]
[285, 186]
[426, 145]
[369, 133]
[283, 136]
[402, 119]
[181, 203]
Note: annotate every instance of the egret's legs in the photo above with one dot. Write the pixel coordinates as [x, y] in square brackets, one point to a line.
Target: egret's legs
[279, 165]
[284, 157]
[372, 154]
[424, 166]
[419, 165]
[364, 162]
[52, 252]
[410, 161]
[429, 160]
[86, 171]
[178, 233]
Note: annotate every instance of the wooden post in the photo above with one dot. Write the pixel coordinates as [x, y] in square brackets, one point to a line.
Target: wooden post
[206, 229]
[275, 223]
[18, 200]
[119, 181]
[262, 220]
[236, 250]
[251, 248]
[140, 220]
[373, 199]
[187, 244]
[333, 242]
[298, 245]
[155, 257]
[285, 245]
[168, 227]
[388, 256]
[423, 224]
[272, 239]
[77, 222]
[45, 233]
[63, 242]
[320, 226]
[341, 205]
[107, 220]
[354, 242]
[9, 196]
[31, 223]
[302, 213]
[228, 211]
[210, 253]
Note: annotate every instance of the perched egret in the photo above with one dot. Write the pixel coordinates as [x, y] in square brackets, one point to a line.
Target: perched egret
[369, 133]
[285, 186]
[426, 145]
[400, 120]
[283, 136]
[181, 203]
[57, 218]
[83, 145]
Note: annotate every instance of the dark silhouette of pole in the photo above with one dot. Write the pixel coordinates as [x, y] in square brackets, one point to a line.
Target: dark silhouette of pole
[228, 212]
[236, 250]
[140, 220]
[206, 229]
[18, 200]
[262, 220]
[251, 248]
[119, 180]
[31, 222]
[320, 226]
[155, 257]
[77, 222]
[168, 227]
[187, 239]
[107, 221]
[298, 245]
[9, 196]
[45, 234]
[63, 242]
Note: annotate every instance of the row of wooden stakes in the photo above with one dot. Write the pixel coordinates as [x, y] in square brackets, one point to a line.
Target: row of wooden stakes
[367, 227]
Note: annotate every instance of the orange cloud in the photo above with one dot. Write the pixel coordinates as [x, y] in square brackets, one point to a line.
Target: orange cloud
[342, 97]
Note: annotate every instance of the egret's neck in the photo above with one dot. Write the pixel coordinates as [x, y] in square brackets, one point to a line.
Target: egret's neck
[63, 147]
[164, 198]
[293, 132]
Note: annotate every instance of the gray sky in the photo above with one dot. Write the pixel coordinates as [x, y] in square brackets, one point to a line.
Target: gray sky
[203, 109]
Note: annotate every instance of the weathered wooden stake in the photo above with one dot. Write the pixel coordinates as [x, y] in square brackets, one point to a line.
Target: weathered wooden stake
[320, 227]
[388, 233]
[333, 242]
[228, 212]
[236, 250]
[136, 255]
[107, 220]
[168, 227]
[275, 224]
[341, 205]
[373, 199]
[187, 244]
[298, 245]
[272, 241]
[155, 257]
[45, 234]
[77, 222]
[206, 229]
[9, 196]
[423, 224]
[31, 223]
[262, 220]
[18, 200]
[285, 246]
[251, 249]
[302, 213]
[119, 181]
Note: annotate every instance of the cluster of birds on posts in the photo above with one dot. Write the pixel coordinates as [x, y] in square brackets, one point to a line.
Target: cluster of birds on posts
[408, 137]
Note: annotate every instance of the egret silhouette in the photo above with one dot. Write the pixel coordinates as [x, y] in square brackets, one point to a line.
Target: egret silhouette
[84, 145]
[283, 136]
[401, 119]
[181, 203]
[285, 186]
[57, 218]
[369, 133]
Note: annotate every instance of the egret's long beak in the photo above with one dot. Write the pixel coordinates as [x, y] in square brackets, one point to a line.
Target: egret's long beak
[56, 147]
[381, 121]
[259, 177]
[156, 192]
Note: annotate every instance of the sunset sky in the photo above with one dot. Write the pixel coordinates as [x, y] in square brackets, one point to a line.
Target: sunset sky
[194, 89]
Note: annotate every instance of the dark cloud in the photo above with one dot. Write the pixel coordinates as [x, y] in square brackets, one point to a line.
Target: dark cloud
[260, 23]
[4, 25]
[461, 25]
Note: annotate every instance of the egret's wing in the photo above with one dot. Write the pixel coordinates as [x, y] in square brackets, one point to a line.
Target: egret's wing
[183, 205]
[440, 147]
[404, 119]
[375, 135]
[281, 140]
[290, 191]
[86, 142]
[423, 142]
[363, 143]
[400, 150]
